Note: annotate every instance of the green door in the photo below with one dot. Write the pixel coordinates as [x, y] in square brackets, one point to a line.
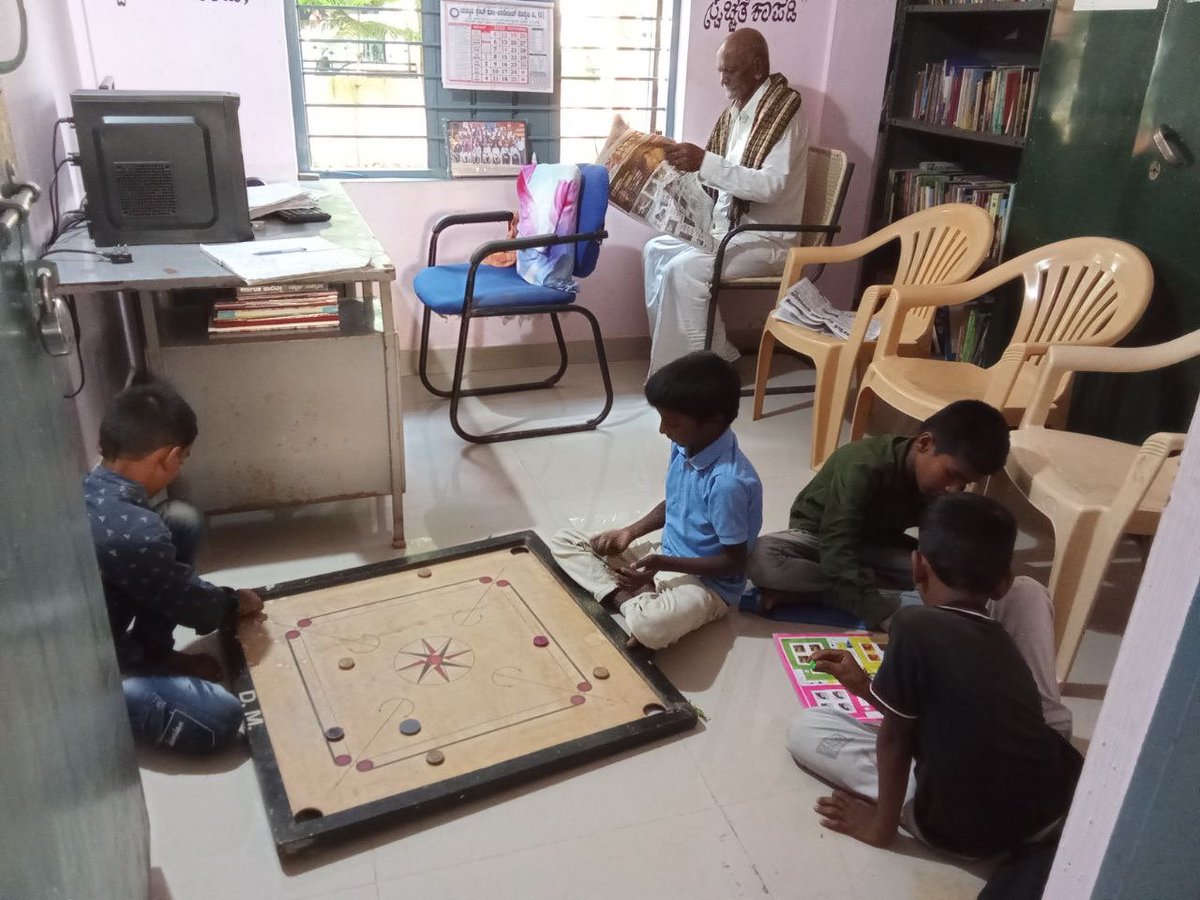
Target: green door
[1160, 212]
[1110, 79]
[74, 822]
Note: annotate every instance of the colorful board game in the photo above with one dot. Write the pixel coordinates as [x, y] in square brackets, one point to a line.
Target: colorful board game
[391, 690]
[818, 689]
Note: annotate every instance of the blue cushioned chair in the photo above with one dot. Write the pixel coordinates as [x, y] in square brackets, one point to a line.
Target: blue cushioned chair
[475, 291]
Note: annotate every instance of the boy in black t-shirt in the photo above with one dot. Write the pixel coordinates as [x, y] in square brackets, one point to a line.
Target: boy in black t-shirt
[958, 700]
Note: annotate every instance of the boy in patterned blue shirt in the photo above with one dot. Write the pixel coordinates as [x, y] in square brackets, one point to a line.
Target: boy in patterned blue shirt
[710, 518]
[146, 556]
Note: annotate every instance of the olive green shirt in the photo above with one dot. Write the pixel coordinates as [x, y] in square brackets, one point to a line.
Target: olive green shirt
[864, 494]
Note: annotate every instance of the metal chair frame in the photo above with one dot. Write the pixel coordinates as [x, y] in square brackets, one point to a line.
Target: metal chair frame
[456, 391]
[717, 284]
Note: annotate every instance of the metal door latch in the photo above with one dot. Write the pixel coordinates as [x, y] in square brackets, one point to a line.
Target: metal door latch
[16, 199]
[55, 327]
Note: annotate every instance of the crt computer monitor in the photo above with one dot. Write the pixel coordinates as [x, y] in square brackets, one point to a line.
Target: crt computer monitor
[161, 167]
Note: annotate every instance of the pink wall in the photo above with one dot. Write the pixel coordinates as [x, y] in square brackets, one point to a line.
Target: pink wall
[835, 53]
[402, 214]
[231, 45]
[798, 49]
[859, 44]
[36, 92]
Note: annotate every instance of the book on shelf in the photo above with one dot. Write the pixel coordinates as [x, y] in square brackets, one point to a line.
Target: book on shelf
[962, 2]
[932, 183]
[267, 315]
[276, 307]
[329, 298]
[975, 96]
[266, 291]
[275, 325]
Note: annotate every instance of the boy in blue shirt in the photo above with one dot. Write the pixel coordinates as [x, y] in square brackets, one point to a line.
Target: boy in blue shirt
[710, 518]
[147, 558]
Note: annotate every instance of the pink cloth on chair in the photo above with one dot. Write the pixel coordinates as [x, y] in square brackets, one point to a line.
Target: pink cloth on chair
[548, 200]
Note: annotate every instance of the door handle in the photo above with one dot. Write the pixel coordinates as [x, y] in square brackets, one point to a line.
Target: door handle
[14, 209]
[1170, 147]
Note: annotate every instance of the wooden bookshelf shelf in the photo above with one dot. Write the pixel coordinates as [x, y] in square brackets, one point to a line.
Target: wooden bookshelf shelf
[999, 140]
[995, 6]
[956, 62]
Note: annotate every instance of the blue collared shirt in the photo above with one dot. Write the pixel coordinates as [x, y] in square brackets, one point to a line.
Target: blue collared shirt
[140, 572]
[714, 499]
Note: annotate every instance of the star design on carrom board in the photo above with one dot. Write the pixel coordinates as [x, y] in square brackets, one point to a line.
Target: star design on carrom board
[437, 660]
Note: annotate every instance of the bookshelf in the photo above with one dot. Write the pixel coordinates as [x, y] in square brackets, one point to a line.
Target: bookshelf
[962, 80]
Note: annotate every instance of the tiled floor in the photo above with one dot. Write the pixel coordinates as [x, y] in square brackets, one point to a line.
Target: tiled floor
[720, 812]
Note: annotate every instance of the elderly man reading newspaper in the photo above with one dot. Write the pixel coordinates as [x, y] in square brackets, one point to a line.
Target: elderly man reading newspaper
[754, 165]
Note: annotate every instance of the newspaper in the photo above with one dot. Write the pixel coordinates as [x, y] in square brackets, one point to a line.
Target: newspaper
[644, 185]
[807, 307]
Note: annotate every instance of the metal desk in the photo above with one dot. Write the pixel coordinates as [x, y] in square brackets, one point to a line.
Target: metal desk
[284, 419]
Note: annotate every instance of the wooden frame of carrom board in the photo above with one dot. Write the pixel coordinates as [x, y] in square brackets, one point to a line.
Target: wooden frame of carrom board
[293, 835]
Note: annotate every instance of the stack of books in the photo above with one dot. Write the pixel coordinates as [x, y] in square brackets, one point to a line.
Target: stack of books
[934, 182]
[270, 308]
[975, 97]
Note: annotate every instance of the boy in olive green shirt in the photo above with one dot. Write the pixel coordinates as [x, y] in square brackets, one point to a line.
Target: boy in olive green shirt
[846, 545]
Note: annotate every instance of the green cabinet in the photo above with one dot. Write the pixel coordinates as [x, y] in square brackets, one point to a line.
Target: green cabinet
[1111, 81]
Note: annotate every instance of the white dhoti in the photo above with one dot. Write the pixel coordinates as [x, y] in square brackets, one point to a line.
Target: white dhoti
[677, 605]
[678, 278]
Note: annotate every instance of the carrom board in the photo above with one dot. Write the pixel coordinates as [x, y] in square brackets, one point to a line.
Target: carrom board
[388, 691]
[818, 689]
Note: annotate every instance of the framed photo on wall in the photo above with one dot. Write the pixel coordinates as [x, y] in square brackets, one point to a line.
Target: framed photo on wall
[480, 149]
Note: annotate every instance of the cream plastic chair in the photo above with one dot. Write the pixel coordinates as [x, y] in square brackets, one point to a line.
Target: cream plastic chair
[1092, 489]
[1087, 290]
[941, 245]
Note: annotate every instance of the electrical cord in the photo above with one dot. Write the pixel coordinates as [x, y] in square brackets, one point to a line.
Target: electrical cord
[11, 65]
[78, 350]
[55, 224]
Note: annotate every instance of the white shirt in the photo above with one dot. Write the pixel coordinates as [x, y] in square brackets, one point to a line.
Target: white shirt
[776, 191]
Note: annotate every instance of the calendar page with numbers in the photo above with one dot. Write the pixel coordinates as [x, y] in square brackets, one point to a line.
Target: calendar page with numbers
[498, 46]
[818, 689]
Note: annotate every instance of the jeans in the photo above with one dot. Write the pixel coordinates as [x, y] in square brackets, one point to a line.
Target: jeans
[177, 712]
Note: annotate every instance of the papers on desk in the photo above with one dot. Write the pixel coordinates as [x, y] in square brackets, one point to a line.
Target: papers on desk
[265, 199]
[256, 262]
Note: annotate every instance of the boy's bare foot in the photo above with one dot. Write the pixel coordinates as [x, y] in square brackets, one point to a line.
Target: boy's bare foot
[844, 812]
[615, 599]
[632, 643]
[194, 665]
[768, 599]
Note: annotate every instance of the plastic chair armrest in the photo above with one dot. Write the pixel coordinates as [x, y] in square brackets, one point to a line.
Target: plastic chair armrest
[1062, 359]
[498, 215]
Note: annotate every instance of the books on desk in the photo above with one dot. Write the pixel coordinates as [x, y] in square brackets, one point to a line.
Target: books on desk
[281, 308]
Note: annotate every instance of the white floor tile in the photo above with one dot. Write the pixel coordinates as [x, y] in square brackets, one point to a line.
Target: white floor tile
[720, 812]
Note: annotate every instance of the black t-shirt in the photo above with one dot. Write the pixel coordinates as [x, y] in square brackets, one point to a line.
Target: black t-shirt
[990, 772]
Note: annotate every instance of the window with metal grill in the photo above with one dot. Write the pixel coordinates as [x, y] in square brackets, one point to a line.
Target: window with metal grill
[368, 95]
